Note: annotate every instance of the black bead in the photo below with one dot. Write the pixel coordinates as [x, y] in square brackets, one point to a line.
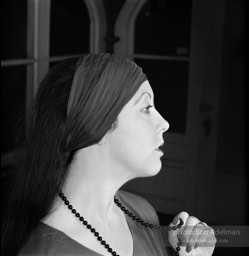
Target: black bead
[177, 254]
[126, 211]
[179, 243]
[178, 249]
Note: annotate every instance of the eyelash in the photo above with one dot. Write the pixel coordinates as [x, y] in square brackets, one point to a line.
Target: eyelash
[147, 109]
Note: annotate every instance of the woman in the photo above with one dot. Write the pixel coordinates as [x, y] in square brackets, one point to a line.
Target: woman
[94, 127]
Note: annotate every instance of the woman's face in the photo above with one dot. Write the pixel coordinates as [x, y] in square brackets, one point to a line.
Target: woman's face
[134, 142]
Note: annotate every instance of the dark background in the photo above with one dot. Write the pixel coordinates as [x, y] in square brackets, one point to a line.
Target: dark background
[174, 19]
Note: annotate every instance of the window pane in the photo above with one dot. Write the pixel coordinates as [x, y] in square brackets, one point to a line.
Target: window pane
[13, 95]
[169, 81]
[163, 27]
[70, 27]
[14, 28]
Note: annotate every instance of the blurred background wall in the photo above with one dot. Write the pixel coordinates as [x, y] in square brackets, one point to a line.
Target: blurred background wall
[193, 52]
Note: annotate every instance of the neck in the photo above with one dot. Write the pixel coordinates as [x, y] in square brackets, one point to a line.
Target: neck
[92, 198]
[90, 188]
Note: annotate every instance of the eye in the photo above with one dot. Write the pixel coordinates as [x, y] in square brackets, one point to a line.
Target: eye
[147, 109]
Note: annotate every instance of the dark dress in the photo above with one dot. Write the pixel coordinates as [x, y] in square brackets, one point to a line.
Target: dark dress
[46, 240]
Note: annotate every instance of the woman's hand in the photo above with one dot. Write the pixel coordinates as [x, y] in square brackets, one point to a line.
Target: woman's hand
[194, 238]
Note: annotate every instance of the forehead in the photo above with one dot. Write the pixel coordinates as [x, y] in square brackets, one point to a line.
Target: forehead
[144, 88]
[129, 108]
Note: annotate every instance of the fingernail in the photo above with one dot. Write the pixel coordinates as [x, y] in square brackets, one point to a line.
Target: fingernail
[175, 220]
[188, 248]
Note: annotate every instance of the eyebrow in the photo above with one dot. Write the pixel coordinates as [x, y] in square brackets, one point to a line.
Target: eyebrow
[141, 97]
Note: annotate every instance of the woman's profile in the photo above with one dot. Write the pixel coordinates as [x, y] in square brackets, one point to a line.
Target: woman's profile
[93, 128]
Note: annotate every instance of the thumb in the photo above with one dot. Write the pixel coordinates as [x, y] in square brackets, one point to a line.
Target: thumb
[173, 230]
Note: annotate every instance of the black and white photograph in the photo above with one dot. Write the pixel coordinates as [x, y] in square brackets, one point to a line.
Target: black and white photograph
[124, 128]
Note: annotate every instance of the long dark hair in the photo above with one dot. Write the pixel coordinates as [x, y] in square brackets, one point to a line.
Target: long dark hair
[76, 104]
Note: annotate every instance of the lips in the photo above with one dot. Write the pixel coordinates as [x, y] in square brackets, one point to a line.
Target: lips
[158, 148]
[159, 151]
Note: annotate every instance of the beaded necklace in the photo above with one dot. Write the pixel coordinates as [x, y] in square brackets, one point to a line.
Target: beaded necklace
[127, 212]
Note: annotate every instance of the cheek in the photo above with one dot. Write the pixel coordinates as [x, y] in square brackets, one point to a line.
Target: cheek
[135, 151]
[134, 144]
[137, 137]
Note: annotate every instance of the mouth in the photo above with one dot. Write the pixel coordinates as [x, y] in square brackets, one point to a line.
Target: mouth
[158, 148]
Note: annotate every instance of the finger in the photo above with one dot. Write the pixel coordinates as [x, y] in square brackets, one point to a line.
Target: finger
[185, 234]
[207, 238]
[206, 242]
[172, 234]
[176, 220]
[181, 217]
[196, 232]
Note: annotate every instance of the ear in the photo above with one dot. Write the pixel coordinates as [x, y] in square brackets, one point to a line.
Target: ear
[102, 141]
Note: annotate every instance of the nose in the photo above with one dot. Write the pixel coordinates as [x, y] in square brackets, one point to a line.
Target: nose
[163, 125]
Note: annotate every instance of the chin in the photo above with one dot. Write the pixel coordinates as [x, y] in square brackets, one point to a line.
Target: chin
[156, 171]
[153, 171]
